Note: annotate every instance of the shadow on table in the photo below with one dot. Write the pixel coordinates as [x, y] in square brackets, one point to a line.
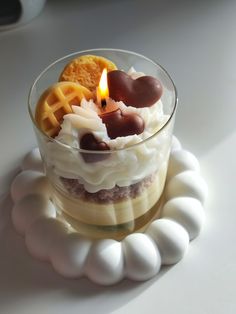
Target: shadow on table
[24, 278]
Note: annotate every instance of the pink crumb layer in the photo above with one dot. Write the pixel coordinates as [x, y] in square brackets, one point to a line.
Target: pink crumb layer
[76, 189]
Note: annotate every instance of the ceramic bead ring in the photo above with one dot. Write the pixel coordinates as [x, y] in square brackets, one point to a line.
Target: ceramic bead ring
[140, 255]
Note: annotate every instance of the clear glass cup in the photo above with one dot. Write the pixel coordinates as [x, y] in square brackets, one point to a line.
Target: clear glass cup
[119, 191]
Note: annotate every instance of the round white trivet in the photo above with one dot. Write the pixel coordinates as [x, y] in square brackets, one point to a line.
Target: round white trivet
[140, 255]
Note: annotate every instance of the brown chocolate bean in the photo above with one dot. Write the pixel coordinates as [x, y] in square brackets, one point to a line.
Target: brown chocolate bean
[122, 124]
[139, 93]
[89, 142]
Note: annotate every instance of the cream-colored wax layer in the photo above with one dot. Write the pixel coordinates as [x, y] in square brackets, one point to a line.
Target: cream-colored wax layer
[112, 213]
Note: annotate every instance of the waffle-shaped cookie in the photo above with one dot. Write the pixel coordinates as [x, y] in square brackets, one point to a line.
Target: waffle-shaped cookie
[55, 102]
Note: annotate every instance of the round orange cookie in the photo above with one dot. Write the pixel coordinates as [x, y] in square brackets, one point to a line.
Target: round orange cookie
[55, 102]
[86, 70]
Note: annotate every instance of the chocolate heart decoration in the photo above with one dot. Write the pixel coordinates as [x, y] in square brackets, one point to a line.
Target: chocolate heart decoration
[139, 93]
[122, 124]
[89, 142]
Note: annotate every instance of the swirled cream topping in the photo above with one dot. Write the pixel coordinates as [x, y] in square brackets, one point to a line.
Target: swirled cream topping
[131, 158]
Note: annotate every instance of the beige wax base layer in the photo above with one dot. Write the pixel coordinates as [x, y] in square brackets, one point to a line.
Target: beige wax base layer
[111, 213]
[117, 232]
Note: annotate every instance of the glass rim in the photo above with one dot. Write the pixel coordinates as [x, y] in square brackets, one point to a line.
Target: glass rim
[51, 139]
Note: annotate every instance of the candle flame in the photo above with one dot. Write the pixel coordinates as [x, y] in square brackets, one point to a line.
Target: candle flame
[103, 86]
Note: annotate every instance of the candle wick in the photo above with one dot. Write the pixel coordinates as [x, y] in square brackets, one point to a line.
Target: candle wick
[103, 103]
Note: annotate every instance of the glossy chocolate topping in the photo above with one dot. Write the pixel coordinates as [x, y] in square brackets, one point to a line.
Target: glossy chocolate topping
[89, 142]
[122, 124]
[139, 93]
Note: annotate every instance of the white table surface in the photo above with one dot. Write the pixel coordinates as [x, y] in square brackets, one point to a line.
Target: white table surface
[195, 42]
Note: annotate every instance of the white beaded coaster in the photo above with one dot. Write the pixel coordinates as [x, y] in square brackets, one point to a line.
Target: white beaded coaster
[140, 255]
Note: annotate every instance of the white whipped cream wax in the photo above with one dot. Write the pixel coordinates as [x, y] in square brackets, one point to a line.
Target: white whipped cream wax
[126, 164]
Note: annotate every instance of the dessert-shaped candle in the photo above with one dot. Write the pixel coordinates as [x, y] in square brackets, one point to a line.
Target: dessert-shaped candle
[108, 149]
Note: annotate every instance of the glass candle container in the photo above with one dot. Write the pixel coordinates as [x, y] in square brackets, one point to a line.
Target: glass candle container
[108, 193]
